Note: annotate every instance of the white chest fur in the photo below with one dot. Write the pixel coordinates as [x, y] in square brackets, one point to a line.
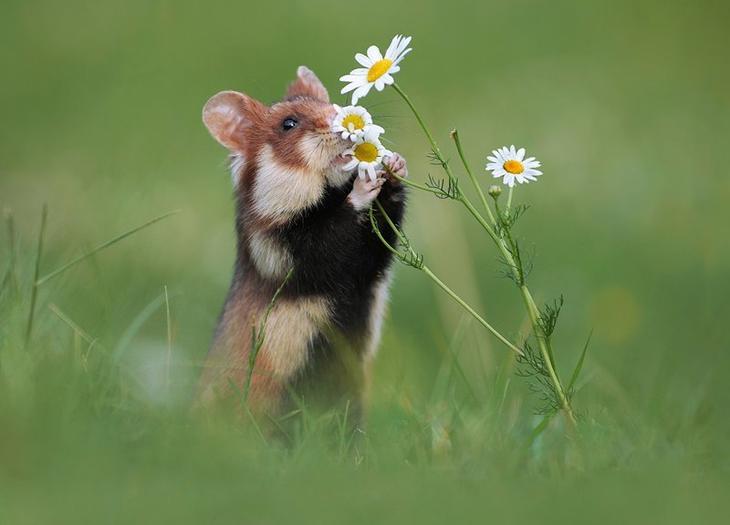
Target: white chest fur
[281, 191]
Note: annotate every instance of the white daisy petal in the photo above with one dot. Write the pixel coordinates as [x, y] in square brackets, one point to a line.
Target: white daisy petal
[374, 53]
[351, 78]
[360, 92]
[371, 171]
[520, 154]
[392, 48]
[349, 87]
[401, 56]
[363, 60]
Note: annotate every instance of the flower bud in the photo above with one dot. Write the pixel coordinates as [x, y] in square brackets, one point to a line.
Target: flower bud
[494, 191]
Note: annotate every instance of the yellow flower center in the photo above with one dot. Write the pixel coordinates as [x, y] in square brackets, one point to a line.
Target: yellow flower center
[366, 152]
[356, 121]
[514, 167]
[379, 69]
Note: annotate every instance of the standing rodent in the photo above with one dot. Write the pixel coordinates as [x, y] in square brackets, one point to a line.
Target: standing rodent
[296, 207]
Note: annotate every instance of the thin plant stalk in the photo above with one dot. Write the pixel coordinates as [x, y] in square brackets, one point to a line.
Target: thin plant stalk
[258, 335]
[477, 186]
[102, 246]
[436, 280]
[509, 198]
[34, 289]
[169, 341]
[10, 224]
[9, 282]
[528, 300]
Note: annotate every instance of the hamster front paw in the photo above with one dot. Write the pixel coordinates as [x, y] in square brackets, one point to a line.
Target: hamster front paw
[394, 165]
[364, 191]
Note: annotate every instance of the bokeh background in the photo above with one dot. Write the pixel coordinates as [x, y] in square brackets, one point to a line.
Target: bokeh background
[626, 104]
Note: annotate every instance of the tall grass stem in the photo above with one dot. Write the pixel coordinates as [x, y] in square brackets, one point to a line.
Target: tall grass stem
[36, 272]
[102, 246]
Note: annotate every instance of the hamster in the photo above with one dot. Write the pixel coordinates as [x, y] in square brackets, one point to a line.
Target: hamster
[297, 208]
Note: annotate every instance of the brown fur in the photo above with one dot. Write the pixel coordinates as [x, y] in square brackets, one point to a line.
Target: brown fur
[278, 174]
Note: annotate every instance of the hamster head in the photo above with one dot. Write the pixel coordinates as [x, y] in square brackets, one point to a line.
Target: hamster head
[290, 139]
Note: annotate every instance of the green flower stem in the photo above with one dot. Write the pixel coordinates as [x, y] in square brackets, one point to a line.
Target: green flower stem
[527, 298]
[434, 278]
[469, 309]
[477, 186]
[434, 145]
[409, 182]
[509, 198]
[532, 310]
[546, 352]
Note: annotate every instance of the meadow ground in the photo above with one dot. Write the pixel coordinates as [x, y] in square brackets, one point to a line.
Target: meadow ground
[624, 102]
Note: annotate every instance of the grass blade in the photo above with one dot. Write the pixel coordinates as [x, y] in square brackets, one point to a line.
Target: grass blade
[579, 364]
[136, 324]
[169, 341]
[258, 334]
[71, 324]
[34, 290]
[9, 278]
[102, 246]
[539, 429]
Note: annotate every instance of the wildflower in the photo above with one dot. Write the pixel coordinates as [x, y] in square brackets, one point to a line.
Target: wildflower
[367, 154]
[377, 69]
[510, 164]
[352, 121]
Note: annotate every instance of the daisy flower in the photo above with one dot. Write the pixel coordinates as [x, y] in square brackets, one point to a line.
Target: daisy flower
[377, 69]
[367, 154]
[352, 121]
[510, 164]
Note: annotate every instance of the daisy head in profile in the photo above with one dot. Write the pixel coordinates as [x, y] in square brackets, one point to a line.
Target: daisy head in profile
[377, 69]
[351, 122]
[367, 154]
[510, 165]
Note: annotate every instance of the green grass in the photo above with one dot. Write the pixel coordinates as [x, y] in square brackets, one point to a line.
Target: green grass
[625, 104]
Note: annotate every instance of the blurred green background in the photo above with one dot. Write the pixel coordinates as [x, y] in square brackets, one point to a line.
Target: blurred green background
[625, 103]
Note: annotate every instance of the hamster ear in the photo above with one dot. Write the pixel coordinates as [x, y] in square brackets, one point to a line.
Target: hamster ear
[307, 85]
[229, 115]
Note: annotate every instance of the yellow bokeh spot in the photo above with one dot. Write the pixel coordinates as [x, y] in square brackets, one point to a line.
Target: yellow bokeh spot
[356, 121]
[366, 152]
[379, 69]
[514, 167]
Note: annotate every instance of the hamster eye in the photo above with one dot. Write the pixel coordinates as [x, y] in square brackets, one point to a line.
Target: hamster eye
[289, 123]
